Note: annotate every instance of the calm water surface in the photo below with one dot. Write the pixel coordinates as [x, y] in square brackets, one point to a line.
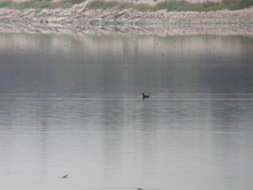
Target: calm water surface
[73, 105]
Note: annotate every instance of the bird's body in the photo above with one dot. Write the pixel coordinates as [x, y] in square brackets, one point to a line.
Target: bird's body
[145, 96]
[65, 176]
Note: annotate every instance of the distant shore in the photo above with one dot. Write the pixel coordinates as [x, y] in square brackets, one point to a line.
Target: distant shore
[81, 19]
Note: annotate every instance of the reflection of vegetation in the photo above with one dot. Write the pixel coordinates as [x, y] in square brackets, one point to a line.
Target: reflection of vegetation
[169, 5]
[174, 5]
[38, 4]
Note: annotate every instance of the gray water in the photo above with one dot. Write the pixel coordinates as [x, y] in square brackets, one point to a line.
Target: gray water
[72, 105]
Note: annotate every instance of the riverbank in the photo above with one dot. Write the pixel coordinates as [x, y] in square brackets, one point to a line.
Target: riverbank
[80, 18]
[155, 30]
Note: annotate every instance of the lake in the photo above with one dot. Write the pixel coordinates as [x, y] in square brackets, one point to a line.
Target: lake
[71, 104]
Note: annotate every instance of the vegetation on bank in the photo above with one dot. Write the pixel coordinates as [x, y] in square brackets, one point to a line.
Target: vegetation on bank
[174, 5]
[169, 5]
[39, 4]
[99, 4]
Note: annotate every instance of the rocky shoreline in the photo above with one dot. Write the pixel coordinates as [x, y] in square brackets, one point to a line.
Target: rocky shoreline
[83, 20]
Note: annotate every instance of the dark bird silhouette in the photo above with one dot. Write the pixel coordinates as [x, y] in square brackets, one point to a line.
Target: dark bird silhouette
[139, 188]
[65, 176]
[145, 96]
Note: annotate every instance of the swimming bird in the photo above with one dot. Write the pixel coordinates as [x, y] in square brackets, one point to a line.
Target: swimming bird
[139, 188]
[65, 176]
[145, 96]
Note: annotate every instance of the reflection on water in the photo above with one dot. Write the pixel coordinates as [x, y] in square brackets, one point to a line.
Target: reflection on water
[73, 105]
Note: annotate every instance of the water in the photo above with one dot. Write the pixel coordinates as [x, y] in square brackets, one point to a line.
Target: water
[72, 105]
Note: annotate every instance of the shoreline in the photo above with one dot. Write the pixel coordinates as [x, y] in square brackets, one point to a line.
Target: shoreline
[154, 30]
[80, 19]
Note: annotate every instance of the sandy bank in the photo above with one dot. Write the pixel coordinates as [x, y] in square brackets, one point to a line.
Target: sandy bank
[80, 19]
